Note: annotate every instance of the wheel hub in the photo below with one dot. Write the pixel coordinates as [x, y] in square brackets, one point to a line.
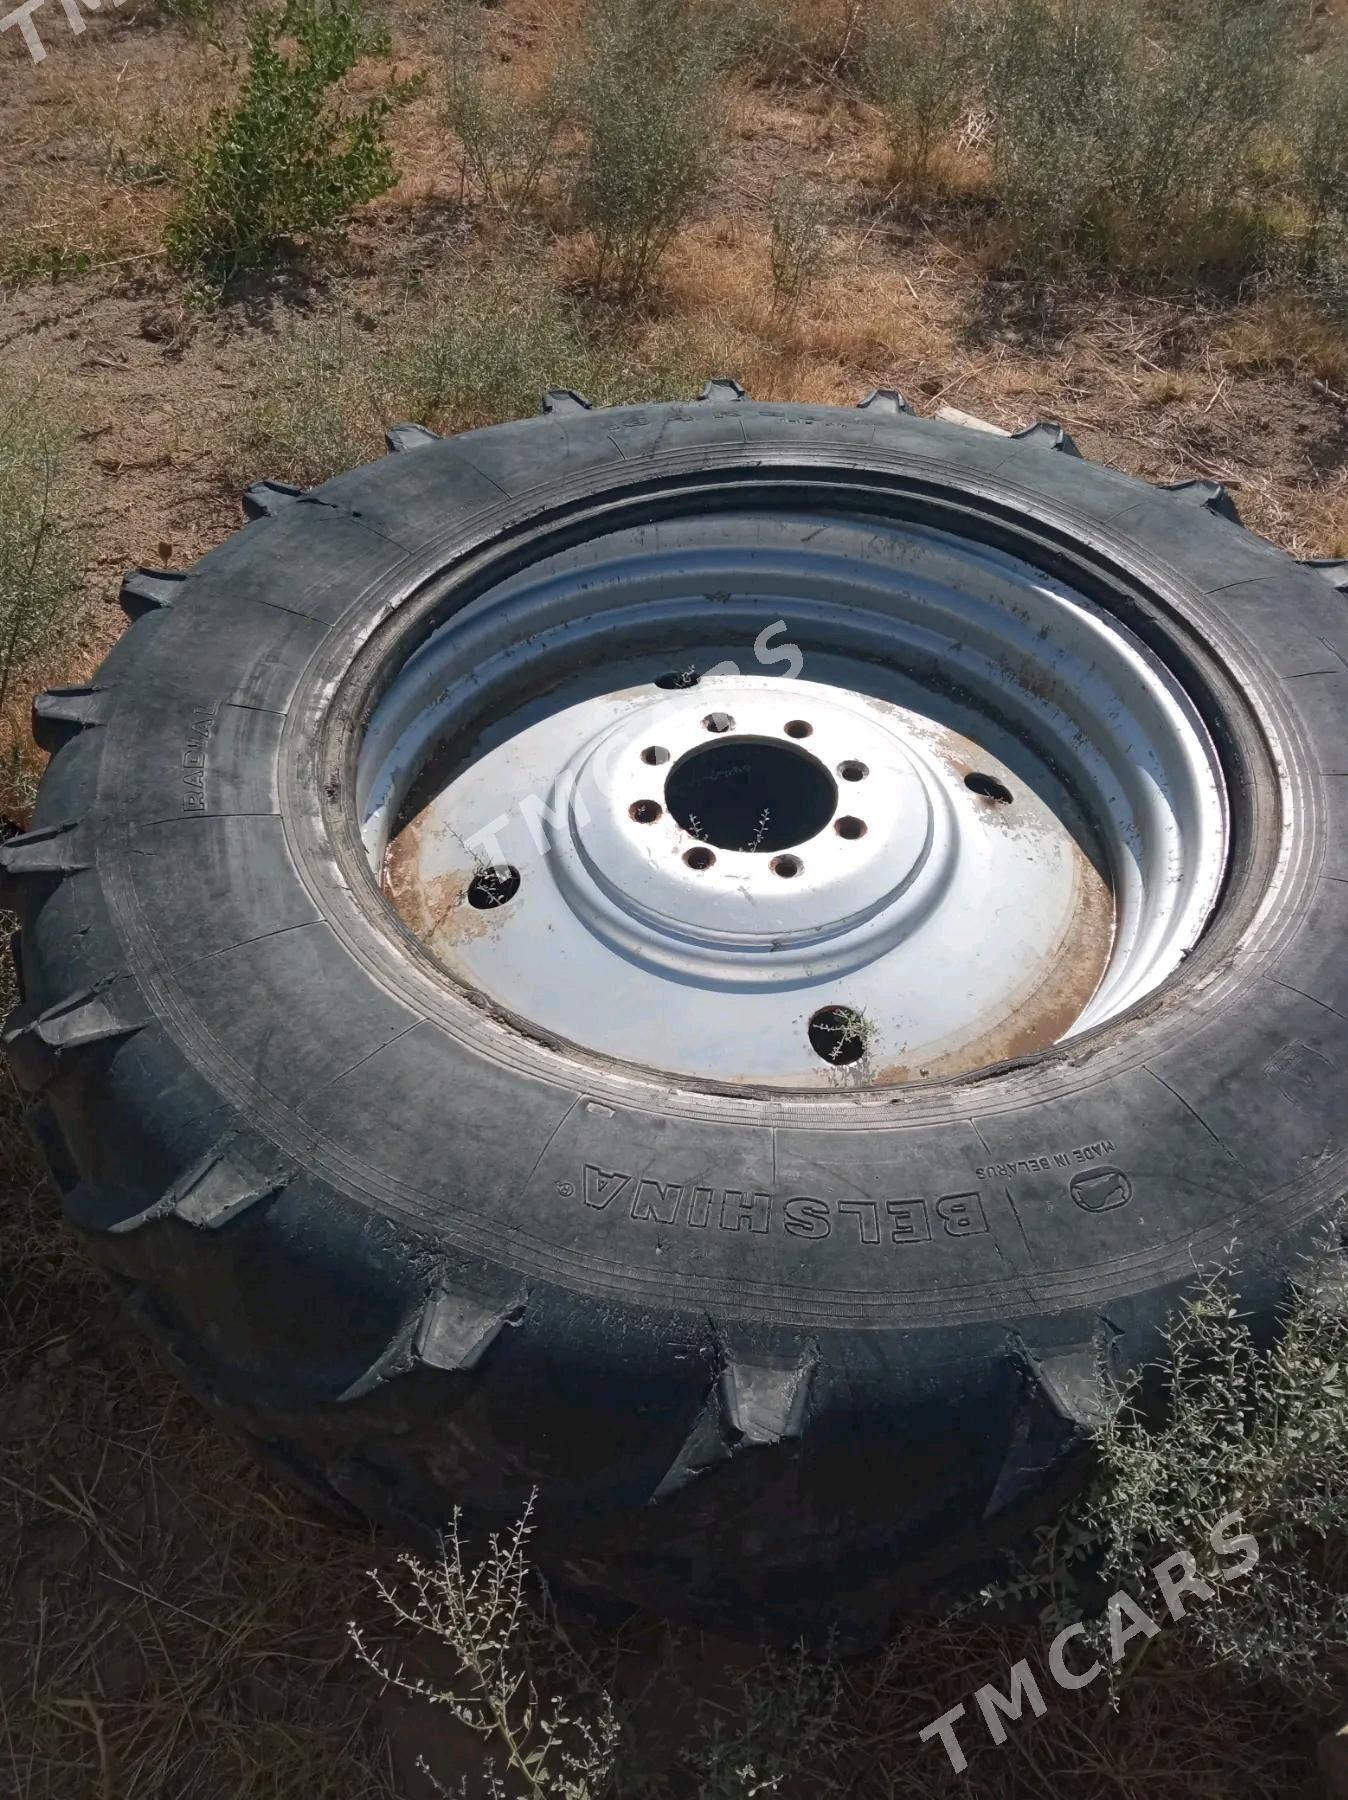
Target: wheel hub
[734, 868]
[983, 816]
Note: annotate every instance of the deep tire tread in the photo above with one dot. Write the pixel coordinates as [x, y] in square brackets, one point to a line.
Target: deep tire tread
[712, 1461]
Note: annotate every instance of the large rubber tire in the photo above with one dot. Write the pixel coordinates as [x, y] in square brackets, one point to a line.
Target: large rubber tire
[400, 1242]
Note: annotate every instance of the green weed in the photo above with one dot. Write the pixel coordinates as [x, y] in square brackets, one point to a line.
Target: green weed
[474, 354]
[1322, 168]
[918, 65]
[285, 161]
[506, 140]
[798, 218]
[645, 89]
[1248, 1428]
[1123, 150]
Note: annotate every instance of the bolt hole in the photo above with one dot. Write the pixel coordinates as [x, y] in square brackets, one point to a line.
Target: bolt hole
[645, 812]
[654, 755]
[493, 886]
[699, 857]
[853, 771]
[989, 788]
[798, 728]
[718, 722]
[786, 865]
[839, 1034]
[850, 827]
[678, 678]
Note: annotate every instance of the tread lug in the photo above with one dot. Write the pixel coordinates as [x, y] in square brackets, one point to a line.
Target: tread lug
[722, 389]
[756, 1404]
[1074, 1383]
[48, 854]
[703, 1448]
[452, 1333]
[211, 1193]
[149, 590]
[1333, 568]
[62, 713]
[888, 400]
[1210, 495]
[565, 400]
[456, 1330]
[1066, 1397]
[1046, 434]
[409, 437]
[37, 1046]
[264, 499]
[765, 1403]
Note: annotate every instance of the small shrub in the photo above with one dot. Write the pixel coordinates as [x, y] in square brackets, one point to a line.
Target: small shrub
[1199, 109]
[794, 40]
[39, 567]
[483, 353]
[486, 351]
[506, 138]
[34, 257]
[646, 91]
[917, 64]
[285, 161]
[493, 1618]
[798, 215]
[1123, 150]
[777, 1721]
[470, 355]
[784, 1727]
[1261, 1431]
[196, 15]
[1057, 86]
[1322, 160]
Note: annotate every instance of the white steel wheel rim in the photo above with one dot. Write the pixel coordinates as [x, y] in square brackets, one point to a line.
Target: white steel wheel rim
[1037, 839]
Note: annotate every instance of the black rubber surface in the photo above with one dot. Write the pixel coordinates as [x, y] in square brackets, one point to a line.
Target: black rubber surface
[782, 1364]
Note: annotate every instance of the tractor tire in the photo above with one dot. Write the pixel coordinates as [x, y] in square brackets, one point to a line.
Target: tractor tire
[783, 1346]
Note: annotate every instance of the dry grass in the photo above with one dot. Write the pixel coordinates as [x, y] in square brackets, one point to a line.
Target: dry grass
[174, 1623]
[171, 1622]
[1330, 521]
[90, 161]
[692, 1712]
[1292, 335]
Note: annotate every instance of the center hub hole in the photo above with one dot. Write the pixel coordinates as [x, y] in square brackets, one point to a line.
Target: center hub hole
[748, 794]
